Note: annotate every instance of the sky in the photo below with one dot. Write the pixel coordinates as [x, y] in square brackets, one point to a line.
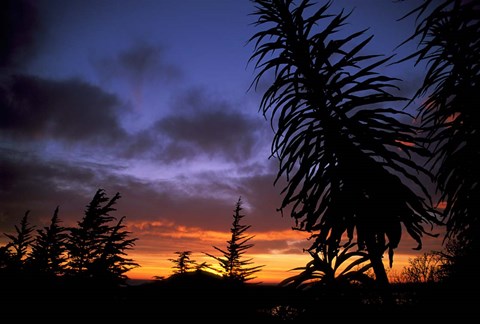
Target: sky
[151, 99]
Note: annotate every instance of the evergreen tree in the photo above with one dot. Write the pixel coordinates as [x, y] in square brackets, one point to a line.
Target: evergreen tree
[48, 255]
[113, 263]
[20, 243]
[233, 264]
[96, 249]
[183, 264]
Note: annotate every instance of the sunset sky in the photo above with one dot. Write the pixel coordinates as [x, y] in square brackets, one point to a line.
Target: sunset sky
[150, 99]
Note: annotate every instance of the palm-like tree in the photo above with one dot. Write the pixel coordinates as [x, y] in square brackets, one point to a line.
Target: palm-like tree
[340, 144]
[331, 269]
[449, 41]
[333, 278]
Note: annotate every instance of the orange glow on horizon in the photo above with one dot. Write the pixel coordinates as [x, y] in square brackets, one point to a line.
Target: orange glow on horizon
[279, 251]
[277, 267]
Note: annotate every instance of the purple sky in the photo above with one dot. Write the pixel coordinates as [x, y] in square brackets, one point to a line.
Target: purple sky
[149, 98]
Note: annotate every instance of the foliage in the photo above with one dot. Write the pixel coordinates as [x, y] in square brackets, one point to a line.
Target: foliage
[331, 269]
[19, 243]
[113, 263]
[233, 264]
[183, 264]
[95, 248]
[458, 262]
[48, 255]
[341, 145]
[449, 36]
[428, 267]
[85, 241]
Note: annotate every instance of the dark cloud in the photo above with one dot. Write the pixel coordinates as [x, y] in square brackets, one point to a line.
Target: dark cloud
[67, 110]
[204, 125]
[37, 183]
[144, 144]
[138, 64]
[20, 31]
[228, 134]
[29, 182]
[265, 199]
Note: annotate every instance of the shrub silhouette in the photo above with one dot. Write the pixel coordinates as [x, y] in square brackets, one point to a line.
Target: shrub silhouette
[425, 268]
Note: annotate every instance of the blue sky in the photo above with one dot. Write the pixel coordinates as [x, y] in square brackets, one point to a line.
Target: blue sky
[150, 99]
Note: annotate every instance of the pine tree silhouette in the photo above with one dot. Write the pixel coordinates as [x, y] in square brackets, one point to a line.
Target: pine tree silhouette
[20, 243]
[233, 264]
[113, 263]
[183, 264]
[96, 249]
[48, 255]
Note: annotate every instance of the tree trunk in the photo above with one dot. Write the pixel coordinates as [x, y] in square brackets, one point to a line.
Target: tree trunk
[383, 285]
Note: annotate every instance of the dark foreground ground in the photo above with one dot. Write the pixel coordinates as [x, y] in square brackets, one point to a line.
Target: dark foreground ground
[204, 298]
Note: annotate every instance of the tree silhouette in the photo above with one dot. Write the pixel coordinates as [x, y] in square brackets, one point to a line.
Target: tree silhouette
[330, 269]
[456, 260]
[428, 267]
[340, 143]
[20, 243]
[48, 255]
[96, 249]
[333, 278]
[183, 264]
[448, 33]
[233, 264]
[113, 263]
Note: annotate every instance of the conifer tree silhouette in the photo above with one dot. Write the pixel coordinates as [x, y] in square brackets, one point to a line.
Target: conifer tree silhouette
[233, 264]
[20, 243]
[48, 255]
[96, 249]
[113, 263]
[183, 264]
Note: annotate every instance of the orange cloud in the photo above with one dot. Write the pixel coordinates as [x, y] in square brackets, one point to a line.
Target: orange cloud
[168, 229]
